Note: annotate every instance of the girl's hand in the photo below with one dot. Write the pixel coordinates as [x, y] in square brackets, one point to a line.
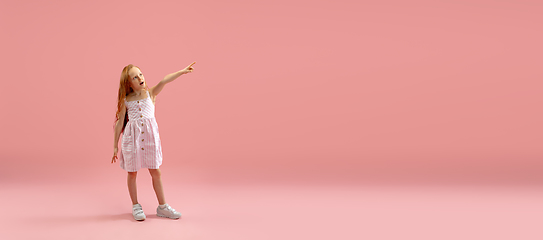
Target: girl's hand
[114, 155]
[188, 69]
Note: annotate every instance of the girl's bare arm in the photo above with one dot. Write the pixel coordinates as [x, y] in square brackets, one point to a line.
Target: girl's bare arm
[168, 78]
[117, 132]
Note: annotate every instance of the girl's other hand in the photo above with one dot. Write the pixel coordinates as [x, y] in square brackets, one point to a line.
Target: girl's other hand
[114, 158]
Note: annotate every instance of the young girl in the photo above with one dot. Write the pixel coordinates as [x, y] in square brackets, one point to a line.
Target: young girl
[140, 146]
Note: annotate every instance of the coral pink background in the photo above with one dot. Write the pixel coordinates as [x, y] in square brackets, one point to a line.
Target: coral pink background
[296, 99]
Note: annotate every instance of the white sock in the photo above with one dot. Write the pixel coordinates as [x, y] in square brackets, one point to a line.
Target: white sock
[163, 205]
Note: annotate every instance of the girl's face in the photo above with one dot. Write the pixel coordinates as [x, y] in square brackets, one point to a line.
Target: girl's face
[137, 81]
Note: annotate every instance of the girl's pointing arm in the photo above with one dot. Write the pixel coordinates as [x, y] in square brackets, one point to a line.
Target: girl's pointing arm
[170, 77]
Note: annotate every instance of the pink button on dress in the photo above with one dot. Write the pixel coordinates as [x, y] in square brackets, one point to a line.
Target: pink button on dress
[140, 147]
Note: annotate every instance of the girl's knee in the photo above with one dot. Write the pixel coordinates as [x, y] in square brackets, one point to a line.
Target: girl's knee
[132, 174]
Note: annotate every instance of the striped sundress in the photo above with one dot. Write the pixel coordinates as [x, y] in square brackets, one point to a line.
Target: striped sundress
[140, 147]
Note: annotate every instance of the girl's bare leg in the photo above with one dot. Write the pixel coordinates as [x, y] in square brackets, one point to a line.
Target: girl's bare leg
[131, 180]
[157, 185]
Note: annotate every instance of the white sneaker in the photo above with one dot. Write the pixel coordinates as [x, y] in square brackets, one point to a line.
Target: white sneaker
[168, 212]
[137, 212]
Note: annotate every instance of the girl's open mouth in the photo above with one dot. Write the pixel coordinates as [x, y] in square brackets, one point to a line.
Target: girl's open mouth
[141, 83]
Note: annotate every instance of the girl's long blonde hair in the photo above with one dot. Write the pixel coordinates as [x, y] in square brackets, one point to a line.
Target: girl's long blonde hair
[125, 88]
